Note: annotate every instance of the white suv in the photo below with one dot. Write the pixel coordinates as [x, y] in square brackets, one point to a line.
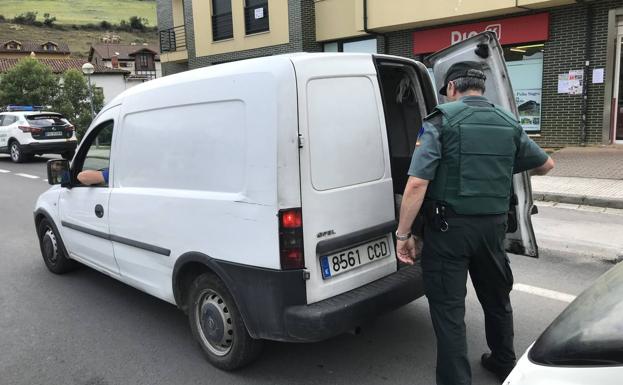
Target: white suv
[27, 133]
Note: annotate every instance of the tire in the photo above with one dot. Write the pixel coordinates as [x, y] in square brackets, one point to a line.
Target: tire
[52, 250]
[16, 152]
[68, 155]
[217, 325]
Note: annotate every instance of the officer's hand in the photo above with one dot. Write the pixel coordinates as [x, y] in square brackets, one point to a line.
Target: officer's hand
[406, 251]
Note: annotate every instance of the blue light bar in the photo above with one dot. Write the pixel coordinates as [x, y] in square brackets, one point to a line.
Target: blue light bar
[24, 108]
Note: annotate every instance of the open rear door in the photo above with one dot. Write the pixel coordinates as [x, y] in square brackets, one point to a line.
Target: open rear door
[485, 48]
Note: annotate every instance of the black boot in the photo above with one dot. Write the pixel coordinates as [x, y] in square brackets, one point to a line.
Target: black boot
[500, 370]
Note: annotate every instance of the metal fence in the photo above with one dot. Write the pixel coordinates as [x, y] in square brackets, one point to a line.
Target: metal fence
[173, 39]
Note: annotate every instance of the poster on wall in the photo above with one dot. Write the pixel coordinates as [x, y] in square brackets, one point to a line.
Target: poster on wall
[576, 79]
[529, 108]
[571, 83]
[526, 78]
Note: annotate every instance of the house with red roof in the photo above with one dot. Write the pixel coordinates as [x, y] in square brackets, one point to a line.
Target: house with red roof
[57, 56]
[142, 60]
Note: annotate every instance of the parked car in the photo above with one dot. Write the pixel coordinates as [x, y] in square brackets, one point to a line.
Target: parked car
[584, 344]
[258, 196]
[25, 132]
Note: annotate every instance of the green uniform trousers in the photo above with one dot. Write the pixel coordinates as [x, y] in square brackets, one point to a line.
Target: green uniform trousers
[474, 244]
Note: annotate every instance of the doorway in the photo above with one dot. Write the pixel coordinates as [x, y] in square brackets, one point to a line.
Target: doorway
[617, 99]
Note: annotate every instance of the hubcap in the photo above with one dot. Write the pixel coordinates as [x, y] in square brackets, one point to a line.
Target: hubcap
[215, 323]
[50, 247]
[14, 152]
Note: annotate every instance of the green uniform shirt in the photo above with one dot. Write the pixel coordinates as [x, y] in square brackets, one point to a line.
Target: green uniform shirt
[426, 157]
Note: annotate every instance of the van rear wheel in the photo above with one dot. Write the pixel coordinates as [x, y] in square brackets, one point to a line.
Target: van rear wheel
[217, 325]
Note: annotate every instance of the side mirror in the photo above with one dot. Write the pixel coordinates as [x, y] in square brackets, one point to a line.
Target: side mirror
[59, 172]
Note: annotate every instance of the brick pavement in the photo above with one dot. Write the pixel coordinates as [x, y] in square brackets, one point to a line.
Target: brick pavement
[584, 176]
[604, 162]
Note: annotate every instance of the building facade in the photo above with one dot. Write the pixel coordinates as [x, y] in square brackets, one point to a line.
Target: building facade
[142, 61]
[563, 56]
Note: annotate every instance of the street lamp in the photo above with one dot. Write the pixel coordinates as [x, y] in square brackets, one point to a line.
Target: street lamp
[88, 69]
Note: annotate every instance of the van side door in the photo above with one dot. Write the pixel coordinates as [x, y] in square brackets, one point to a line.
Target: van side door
[84, 209]
[485, 48]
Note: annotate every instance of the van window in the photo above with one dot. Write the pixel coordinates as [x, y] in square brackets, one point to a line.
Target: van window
[197, 147]
[346, 146]
[95, 150]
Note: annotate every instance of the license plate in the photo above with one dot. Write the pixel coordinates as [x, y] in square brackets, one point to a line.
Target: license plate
[346, 260]
[54, 133]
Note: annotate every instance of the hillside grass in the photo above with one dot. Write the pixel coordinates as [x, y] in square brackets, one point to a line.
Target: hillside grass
[79, 41]
[83, 11]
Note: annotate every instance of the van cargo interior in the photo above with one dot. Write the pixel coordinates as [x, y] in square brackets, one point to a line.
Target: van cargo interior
[405, 107]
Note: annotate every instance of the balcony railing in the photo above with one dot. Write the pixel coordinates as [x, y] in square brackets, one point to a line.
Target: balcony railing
[222, 26]
[256, 18]
[173, 39]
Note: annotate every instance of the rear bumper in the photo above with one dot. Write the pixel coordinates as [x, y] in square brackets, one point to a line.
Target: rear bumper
[336, 315]
[273, 303]
[49, 148]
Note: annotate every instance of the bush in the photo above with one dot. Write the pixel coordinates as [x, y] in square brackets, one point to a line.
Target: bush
[105, 25]
[2, 19]
[30, 83]
[73, 100]
[48, 20]
[28, 18]
[138, 23]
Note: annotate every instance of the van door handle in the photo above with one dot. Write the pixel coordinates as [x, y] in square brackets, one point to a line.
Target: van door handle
[99, 211]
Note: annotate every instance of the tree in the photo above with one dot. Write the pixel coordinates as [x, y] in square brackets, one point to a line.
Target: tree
[73, 100]
[28, 83]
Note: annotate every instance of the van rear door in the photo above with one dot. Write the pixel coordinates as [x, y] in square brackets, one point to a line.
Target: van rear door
[485, 48]
[346, 185]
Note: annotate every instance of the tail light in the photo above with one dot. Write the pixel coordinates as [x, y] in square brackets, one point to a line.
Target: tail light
[32, 130]
[69, 128]
[291, 239]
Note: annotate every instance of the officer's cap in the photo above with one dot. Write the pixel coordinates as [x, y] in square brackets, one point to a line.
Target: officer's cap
[462, 70]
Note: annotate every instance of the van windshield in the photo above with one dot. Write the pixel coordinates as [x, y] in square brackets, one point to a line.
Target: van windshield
[590, 331]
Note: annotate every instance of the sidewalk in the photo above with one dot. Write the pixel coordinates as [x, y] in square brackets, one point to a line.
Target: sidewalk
[584, 176]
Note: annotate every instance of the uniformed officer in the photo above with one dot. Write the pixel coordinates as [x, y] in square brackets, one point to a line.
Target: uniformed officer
[461, 177]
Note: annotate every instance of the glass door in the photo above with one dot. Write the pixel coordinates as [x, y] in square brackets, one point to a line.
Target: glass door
[617, 102]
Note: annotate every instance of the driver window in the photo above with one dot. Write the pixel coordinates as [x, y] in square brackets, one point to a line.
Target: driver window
[93, 169]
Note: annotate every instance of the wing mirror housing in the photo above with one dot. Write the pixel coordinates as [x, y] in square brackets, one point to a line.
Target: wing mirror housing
[59, 172]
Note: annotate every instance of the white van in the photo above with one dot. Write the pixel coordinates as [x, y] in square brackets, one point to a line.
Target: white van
[259, 196]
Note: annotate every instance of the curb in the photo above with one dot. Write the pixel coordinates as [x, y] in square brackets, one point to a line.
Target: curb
[603, 256]
[578, 199]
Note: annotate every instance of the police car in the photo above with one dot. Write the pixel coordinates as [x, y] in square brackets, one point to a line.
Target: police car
[26, 131]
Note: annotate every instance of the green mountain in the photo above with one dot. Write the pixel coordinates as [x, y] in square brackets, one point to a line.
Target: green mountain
[81, 12]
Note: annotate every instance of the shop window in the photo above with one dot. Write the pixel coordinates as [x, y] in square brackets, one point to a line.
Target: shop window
[525, 69]
[256, 16]
[222, 25]
[359, 45]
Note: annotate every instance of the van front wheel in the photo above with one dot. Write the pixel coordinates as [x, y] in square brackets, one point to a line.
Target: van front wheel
[53, 254]
[217, 325]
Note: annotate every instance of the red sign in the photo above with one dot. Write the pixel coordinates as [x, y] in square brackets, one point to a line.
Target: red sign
[512, 30]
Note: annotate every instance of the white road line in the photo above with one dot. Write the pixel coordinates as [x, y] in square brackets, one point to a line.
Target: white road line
[28, 176]
[4, 171]
[551, 294]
